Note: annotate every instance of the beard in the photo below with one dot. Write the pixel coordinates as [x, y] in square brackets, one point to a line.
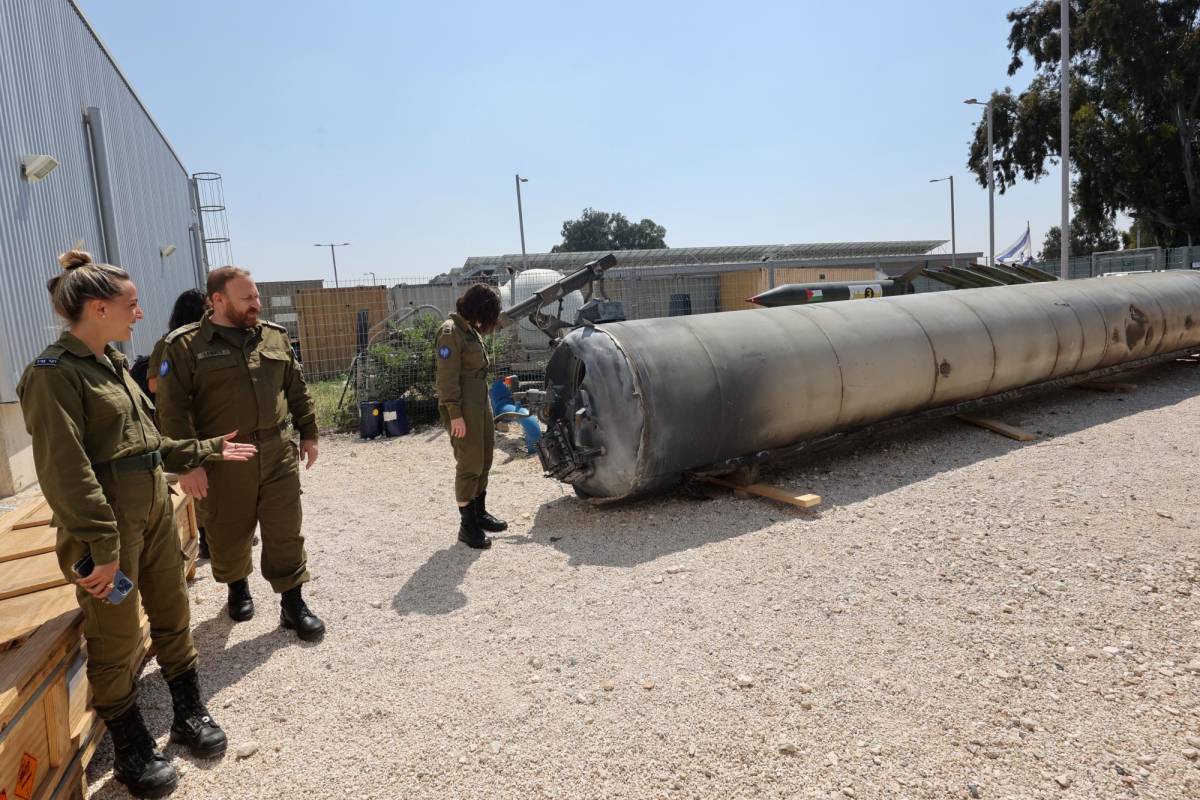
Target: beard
[242, 318]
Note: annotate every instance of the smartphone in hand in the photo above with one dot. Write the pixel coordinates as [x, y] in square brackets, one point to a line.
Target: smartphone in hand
[122, 586]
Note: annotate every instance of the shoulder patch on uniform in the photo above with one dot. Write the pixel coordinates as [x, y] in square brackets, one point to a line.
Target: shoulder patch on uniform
[266, 323]
[164, 368]
[180, 331]
[46, 361]
[444, 352]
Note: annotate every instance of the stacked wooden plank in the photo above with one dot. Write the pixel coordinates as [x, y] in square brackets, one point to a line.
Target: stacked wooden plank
[48, 731]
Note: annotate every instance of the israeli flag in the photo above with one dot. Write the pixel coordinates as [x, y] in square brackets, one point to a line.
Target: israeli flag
[1019, 252]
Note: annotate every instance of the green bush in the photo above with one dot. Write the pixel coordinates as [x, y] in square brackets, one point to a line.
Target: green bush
[403, 365]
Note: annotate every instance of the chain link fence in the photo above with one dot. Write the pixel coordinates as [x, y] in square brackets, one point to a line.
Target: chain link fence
[372, 340]
[1143, 259]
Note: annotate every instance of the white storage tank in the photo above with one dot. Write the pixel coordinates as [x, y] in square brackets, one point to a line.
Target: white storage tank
[521, 287]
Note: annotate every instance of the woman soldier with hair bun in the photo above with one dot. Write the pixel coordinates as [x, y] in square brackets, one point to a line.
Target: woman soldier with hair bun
[100, 461]
[466, 412]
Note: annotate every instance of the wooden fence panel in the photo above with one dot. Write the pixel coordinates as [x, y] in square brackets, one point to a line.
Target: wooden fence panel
[328, 320]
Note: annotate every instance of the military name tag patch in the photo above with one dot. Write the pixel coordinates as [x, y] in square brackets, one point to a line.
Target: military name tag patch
[443, 352]
[212, 354]
[164, 368]
[46, 362]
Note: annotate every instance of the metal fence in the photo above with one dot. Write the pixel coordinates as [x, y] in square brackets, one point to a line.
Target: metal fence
[1144, 259]
[374, 340]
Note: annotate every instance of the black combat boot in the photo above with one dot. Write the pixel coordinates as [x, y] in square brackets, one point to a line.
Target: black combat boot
[202, 550]
[294, 615]
[486, 521]
[193, 725]
[469, 532]
[241, 604]
[137, 763]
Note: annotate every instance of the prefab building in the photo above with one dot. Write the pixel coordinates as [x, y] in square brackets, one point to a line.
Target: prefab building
[82, 162]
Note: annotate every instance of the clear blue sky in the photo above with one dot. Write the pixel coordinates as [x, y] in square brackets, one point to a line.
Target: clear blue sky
[398, 126]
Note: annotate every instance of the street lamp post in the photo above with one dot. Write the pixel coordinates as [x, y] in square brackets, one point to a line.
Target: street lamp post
[991, 184]
[372, 274]
[1065, 91]
[953, 238]
[521, 220]
[333, 255]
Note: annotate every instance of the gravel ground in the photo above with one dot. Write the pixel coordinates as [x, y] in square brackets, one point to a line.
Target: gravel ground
[963, 616]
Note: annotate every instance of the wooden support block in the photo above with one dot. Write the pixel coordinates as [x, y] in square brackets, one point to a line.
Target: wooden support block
[1102, 386]
[996, 426]
[744, 476]
[771, 493]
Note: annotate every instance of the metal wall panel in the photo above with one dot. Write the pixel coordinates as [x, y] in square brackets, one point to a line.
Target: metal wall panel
[52, 67]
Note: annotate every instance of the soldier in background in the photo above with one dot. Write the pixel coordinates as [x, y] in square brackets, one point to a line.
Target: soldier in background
[231, 369]
[466, 411]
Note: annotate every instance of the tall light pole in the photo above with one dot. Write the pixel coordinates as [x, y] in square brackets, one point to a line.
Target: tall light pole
[521, 221]
[1065, 91]
[333, 255]
[953, 238]
[991, 184]
[372, 274]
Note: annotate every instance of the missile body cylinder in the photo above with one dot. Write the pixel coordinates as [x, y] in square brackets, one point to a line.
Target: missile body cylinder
[635, 405]
[798, 294]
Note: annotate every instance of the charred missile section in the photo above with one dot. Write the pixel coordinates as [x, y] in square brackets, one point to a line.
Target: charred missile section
[633, 406]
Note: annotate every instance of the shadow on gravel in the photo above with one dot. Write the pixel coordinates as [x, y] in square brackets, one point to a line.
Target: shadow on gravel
[220, 668]
[433, 588]
[855, 471]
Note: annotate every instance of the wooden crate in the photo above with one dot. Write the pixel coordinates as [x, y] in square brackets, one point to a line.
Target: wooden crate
[35, 723]
[48, 731]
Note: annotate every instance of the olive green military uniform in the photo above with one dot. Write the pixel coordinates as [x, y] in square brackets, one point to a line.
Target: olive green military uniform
[153, 369]
[216, 378]
[156, 356]
[100, 462]
[462, 366]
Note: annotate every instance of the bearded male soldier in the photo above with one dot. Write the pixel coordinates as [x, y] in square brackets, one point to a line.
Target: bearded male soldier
[231, 371]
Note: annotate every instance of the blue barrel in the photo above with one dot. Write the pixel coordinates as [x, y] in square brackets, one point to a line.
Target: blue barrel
[370, 419]
[395, 418]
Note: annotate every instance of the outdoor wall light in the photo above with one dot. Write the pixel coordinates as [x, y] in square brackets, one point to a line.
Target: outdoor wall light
[166, 250]
[36, 167]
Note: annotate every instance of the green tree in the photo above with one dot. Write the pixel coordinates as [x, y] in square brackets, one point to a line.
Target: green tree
[1085, 239]
[1138, 235]
[600, 230]
[1135, 111]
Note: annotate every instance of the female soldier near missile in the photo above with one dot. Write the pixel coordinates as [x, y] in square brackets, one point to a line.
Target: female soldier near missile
[100, 462]
[463, 405]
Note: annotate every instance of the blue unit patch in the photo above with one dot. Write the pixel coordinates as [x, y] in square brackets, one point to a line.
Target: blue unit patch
[164, 368]
[46, 362]
[444, 352]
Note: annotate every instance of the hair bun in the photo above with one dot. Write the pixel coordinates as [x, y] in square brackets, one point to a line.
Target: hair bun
[74, 258]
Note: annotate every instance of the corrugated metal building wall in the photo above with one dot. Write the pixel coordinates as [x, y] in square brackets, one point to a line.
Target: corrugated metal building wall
[52, 69]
